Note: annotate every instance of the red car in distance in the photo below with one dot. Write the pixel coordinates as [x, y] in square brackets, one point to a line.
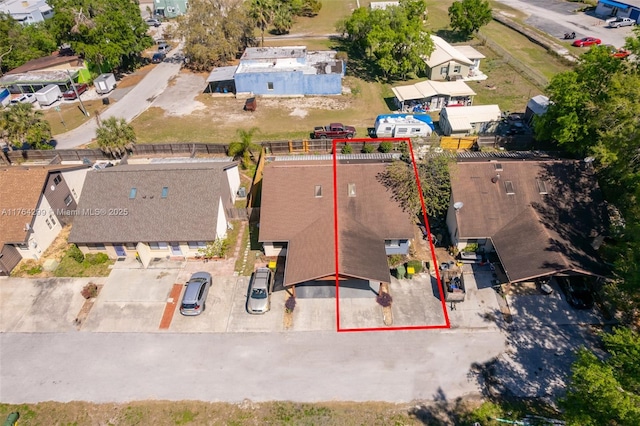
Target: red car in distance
[587, 41]
[620, 53]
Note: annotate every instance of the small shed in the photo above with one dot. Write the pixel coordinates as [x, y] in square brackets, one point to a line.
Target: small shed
[105, 83]
[466, 120]
[221, 80]
[536, 106]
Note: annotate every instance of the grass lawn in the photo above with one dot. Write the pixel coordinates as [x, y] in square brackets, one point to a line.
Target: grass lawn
[277, 118]
[72, 115]
[325, 22]
[532, 55]
[68, 267]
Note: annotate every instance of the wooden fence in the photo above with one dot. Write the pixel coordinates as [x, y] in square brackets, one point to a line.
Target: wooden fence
[453, 143]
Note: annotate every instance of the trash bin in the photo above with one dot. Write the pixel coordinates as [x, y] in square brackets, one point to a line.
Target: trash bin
[12, 419]
[105, 101]
[250, 104]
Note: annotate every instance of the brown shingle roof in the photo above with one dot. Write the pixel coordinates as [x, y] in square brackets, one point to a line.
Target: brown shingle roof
[44, 63]
[20, 190]
[291, 212]
[188, 213]
[534, 234]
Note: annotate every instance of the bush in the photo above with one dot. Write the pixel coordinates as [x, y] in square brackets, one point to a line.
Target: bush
[368, 148]
[75, 253]
[395, 259]
[34, 270]
[384, 299]
[385, 147]
[96, 258]
[416, 265]
[471, 248]
[290, 304]
[90, 290]
[347, 149]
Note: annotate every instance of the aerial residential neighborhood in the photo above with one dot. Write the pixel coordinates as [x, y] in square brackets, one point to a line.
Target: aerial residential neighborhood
[323, 212]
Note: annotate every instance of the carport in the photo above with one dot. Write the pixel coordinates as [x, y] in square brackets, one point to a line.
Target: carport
[349, 288]
[221, 80]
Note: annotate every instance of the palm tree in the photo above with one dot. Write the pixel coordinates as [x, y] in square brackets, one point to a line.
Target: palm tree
[243, 148]
[22, 123]
[115, 136]
[262, 12]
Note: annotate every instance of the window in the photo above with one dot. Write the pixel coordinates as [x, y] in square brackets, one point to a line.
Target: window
[194, 245]
[444, 70]
[68, 199]
[165, 191]
[23, 246]
[57, 179]
[318, 191]
[352, 190]
[508, 186]
[401, 130]
[158, 246]
[270, 85]
[457, 69]
[48, 223]
[132, 193]
[498, 167]
[415, 130]
[52, 220]
[96, 246]
[73, 191]
[279, 245]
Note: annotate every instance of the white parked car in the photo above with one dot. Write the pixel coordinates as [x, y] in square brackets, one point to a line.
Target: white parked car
[25, 98]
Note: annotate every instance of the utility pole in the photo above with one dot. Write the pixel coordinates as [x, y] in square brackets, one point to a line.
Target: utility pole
[84, 110]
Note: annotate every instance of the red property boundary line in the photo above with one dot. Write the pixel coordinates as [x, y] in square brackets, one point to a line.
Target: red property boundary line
[447, 323]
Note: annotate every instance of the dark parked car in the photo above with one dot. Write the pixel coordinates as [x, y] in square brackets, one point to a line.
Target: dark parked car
[71, 94]
[195, 295]
[158, 57]
[577, 291]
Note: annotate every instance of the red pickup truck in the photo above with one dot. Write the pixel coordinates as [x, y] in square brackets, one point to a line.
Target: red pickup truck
[334, 131]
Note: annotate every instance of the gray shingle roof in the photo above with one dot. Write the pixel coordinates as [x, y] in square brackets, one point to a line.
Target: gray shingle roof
[188, 213]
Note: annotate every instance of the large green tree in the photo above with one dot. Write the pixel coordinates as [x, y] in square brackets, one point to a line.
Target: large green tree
[21, 123]
[22, 43]
[395, 39]
[468, 16]
[434, 174]
[214, 31]
[109, 33]
[115, 136]
[606, 392]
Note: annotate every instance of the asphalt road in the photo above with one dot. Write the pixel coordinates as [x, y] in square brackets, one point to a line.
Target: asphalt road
[318, 366]
[134, 103]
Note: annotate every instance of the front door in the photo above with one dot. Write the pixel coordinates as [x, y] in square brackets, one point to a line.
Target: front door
[175, 249]
[120, 251]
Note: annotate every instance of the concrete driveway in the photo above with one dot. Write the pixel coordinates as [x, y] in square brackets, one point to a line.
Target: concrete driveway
[41, 305]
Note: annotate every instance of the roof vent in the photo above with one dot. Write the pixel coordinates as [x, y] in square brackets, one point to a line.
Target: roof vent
[542, 186]
[352, 190]
[132, 193]
[495, 178]
[498, 167]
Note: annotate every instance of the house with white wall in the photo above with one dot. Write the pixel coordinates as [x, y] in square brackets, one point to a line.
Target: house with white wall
[35, 203]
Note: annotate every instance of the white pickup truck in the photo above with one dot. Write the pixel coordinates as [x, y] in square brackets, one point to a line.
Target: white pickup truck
[621, 22]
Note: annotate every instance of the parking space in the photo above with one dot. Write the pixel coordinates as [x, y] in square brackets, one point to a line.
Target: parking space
[537, 309]
[416, 301]
[132, 300]
[40, 305]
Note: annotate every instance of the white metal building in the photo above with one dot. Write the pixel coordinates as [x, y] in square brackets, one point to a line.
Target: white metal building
[466, 120]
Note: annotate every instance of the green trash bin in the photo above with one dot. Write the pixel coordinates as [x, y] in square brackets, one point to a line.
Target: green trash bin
[12, 419]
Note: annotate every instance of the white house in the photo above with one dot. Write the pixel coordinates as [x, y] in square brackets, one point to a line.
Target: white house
[462, 121]
[27, 11]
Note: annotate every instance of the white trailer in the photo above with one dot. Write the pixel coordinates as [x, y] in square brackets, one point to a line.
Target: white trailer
[105, 83]
[48, 94]
[402, 125]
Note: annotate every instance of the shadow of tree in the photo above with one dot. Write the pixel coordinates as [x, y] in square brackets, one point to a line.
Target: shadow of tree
[440, 412]
[452, 36]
